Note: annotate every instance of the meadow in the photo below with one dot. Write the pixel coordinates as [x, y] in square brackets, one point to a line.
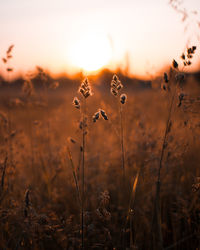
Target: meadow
[107, 162]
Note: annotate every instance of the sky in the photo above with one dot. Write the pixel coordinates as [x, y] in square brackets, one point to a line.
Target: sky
[141, 37]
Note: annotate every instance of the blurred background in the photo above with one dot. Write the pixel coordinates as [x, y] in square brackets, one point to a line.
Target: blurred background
[140, 37]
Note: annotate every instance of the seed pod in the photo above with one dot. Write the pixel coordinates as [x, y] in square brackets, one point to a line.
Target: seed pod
[9, 69]
[4, 60]
[120, 86]
[189, 51]
[123, 98]
[166, 78]
[81, 125]
[163, 86]
[183, 56]
[103, 114]
[10, 49]
[114, 92]
[76, 103]
[70, 139]
[96, 116]
[194, 48]
[175, 64]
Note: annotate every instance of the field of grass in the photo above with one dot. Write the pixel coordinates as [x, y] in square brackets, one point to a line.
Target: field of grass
[75, 177]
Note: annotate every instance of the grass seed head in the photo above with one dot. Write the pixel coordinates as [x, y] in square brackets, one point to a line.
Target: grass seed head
[85, 88]
[116, 85]
[191, 50]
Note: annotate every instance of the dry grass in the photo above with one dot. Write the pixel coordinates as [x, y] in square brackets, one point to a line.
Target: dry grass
[42, 200]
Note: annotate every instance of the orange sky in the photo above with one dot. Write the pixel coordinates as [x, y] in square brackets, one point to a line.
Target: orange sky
[66, 36]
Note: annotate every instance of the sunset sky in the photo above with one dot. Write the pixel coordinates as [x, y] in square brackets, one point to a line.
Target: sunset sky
[66, 35]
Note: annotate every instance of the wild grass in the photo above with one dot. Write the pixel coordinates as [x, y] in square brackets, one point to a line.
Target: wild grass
[64, 190]
[116, 87]
[178, 84]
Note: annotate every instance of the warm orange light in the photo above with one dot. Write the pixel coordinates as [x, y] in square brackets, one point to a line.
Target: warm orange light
[91, 52]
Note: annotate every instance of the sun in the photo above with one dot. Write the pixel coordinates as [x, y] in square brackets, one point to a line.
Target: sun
[91, 52]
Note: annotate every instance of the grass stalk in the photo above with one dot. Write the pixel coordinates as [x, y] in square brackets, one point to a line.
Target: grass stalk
[83, 171]
[74, 175]
[122, 144]
[157, 211]
[130, 211]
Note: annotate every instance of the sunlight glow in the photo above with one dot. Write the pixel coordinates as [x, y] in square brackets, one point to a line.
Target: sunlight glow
[91, 52]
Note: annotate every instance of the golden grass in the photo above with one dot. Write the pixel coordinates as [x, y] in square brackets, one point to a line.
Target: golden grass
[46, 205]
